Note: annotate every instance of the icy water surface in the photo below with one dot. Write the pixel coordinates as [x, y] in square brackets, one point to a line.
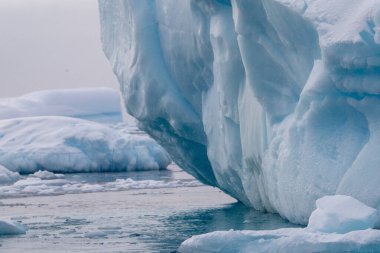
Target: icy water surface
[135, 220]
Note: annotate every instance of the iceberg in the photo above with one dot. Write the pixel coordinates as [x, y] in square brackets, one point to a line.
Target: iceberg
[95, 104]
[276, 102]
[68, 145]
[11, 228]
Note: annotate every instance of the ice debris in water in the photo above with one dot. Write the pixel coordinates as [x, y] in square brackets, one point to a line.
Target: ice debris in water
[34, 186]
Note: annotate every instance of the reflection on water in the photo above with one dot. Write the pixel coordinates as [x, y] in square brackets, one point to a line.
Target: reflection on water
[173, 230]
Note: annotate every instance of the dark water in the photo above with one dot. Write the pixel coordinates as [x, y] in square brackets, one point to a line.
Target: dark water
[180, 226]
[143, 220]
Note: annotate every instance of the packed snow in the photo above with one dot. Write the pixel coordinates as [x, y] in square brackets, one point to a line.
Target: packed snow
[339, 224]
[97, 104]
[64, 145]
[341, 214]
[11, 228]
[273, 101]
[282, 240]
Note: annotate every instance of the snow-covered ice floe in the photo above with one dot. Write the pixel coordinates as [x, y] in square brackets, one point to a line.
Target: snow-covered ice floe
[276, 102]
[64, 145]
[11, 228]
[35, 186]
[295, 240]
[339, 224]
[97, 104]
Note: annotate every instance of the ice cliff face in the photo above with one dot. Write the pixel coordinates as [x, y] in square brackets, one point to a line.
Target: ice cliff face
[276, 102]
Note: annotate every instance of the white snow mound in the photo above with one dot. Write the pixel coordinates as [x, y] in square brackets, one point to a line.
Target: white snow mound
[61, 145]
[341, 214]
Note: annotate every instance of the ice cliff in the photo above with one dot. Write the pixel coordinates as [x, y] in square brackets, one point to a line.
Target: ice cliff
[276, 102]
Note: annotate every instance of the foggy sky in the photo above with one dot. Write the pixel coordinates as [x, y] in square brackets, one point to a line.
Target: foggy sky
[48, 44]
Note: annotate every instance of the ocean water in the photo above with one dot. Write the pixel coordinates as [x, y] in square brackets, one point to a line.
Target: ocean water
[135, 220]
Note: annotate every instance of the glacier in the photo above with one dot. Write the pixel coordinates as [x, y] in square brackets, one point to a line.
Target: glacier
[276, 102]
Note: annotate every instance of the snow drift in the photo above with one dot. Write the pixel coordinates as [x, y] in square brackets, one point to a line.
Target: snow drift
[276, 102]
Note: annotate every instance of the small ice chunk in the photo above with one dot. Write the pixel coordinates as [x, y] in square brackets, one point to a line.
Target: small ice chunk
[7, 176]
[11, 228]
[96, 234]
[341, 214]
[44, 174]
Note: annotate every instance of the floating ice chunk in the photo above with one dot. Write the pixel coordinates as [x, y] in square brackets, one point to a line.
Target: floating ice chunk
[7, 176]
[341, 214]
[44, 174]
[11, 228]
[62, 144]
[282, 240]
[96, 234]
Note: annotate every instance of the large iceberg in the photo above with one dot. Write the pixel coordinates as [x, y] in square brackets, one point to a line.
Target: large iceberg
[276, 102]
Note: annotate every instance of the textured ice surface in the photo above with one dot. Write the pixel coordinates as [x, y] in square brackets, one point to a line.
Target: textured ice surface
[7, 176]
[276, 102]
[283, 240]
[32, 186]
[339, 224]
[63, 145]
[98, 104]
[11, 228]
[341, 214]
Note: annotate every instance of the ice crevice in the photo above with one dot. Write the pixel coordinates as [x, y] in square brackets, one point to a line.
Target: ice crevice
[273, 101]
